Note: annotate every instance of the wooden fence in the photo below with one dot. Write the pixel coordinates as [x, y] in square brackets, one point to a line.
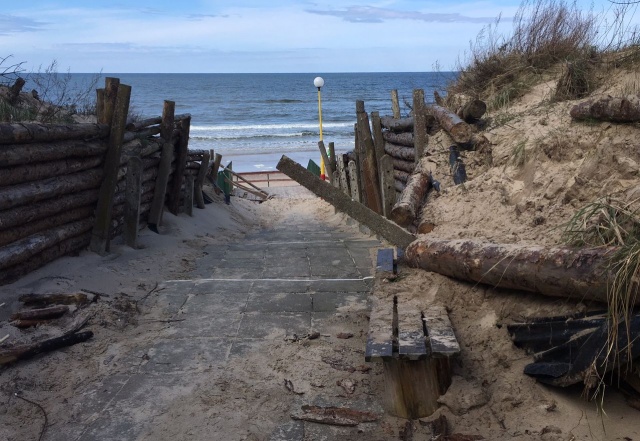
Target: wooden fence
[65, 187]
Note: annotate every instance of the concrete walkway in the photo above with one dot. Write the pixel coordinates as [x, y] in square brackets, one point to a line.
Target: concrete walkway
[215, 364]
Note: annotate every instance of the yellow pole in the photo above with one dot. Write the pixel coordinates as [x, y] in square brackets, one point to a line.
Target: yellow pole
[322, 169]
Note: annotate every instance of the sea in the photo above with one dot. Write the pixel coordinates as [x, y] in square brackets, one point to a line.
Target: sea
[253, 119]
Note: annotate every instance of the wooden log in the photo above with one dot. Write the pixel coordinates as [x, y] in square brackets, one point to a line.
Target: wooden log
[426, 222]
[18, 154]
[472, 111]
[608, 108]
[36, 191]
[400, 175]
[132, 201]
[458, 170]
[420, 124]
[181, 160]
[332, 157]
[395, 104]
[378, 139]
[21, 250]
[371, 181]
[12, 355]
[23, 133]
[459, 130]
[354, 182]
[399, 152]
[202, 173]
[406, 209]
[33, 172]
[100, 238]
[50, 312]
[26, 229]
[168, 120]
[100, 97]
[404, 139]
[406, 166]
[553, 271]
[342, 202]
[144, 134]
[438, 99]
[387, 185]
[111, 86]
[216, 166]
[160, 190]
[397, 125]
[188, 195]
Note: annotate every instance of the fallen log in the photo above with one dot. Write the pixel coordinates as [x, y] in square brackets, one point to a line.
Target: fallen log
[23, 249]
[553, 271]
[36, 191]
[12, 355]
[42, 170]
[21, 133]
[41, 313]
[387, 229]
[406, 166]
[426, 222]
[32, 212]
[399, 152]
[406, 208]
[472, 111]
[18, 154]
[608, 108]
[404, 139]
[459, 130]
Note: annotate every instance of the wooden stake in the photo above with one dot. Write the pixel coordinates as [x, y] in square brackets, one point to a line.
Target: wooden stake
[167, 123]
[395, 104]
[332, 157]
[160, 190]
[371, 183]
[387, 185]
[181, 163]
[354, 182]
[344, 184]
[100, 97]
[378, 139]
[420, 124]
[110, 96]
[100, 236]
[132, 201]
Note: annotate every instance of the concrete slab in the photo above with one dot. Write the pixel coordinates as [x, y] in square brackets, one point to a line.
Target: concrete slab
[355, 285]
[279, 302]
[216, 286]
[271, 285]
[331, 301]
[186, 355]
[237, 273]
[274, 325]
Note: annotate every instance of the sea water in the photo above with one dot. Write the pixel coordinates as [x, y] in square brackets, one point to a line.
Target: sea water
[253, 119]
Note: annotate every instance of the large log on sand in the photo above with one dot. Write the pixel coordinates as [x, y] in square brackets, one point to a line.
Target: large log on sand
[554, 271]
[43, 170]
[406, 209]
[608, 108]
[399, 152]
[472, 111]
[459, 130]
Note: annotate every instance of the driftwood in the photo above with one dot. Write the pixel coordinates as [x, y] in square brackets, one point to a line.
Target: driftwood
[20, 133]
[561, 272]
[18, 154]
[41, 313]
[616, 109]
[406, 209]
[402, 139]
[43, 170]
[459, 130]
[399, 152]
[12, 355]
[29, 213]
[472, 111]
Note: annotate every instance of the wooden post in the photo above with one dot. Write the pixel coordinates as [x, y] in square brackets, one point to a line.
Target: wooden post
[378, 140]
[100, 97]
[188, 194]
[332, 157]
[387, 185]
[344, 184]
[100, 235]
[132, 201]
[395, 104]
[181, 163]
[160, 191]
[369, 171]
[202, 173]
[420, 124]
[110, 95]
[168, 118]
[354, 182]
[216, 166]
[358, 163]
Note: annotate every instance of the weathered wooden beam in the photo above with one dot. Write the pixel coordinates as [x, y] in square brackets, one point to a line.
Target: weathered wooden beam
[50, 312]
[397, 125]
[354, 182]
[472, 111]
[325, 159]
[407, 207]
[111, 86]
[395, 104]
[387, 185]
[420, 138]
[378, 139]
[100, 237]
[19, 154]
[459, 130]
[43, 170]
[181, 162]
[387, 229]
[167, 120]
[608, 108]
[371, 182]
[23, 133]
[188, 195]
[342, 172]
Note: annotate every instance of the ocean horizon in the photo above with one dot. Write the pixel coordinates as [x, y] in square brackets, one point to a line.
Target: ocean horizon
[253, 119]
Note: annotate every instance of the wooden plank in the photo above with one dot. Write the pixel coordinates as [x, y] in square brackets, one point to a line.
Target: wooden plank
[382, 226]
[369, 170]
[420, 124]
[332, 157]
[344, 184]
[384, 262]
[411, 339]
[395, 104]
[181, 163]
[160, 190]
[167, 122]
[442, 339]
[378, 139]
[132, 201]
[387, 185]
[380, 338]
[354, 182]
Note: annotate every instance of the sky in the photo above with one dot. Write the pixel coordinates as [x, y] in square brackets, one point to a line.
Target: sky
[248, 35]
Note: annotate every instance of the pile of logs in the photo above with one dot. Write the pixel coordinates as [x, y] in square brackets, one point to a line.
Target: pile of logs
[66, 186]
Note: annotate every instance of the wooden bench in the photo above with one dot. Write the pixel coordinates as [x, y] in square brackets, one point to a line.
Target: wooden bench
[415, 343]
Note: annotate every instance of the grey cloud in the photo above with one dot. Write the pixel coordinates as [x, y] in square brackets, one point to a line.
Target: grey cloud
[370, 14]
[11, 24]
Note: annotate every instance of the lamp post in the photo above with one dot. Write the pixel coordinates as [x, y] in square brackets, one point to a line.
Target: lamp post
[319, 82]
